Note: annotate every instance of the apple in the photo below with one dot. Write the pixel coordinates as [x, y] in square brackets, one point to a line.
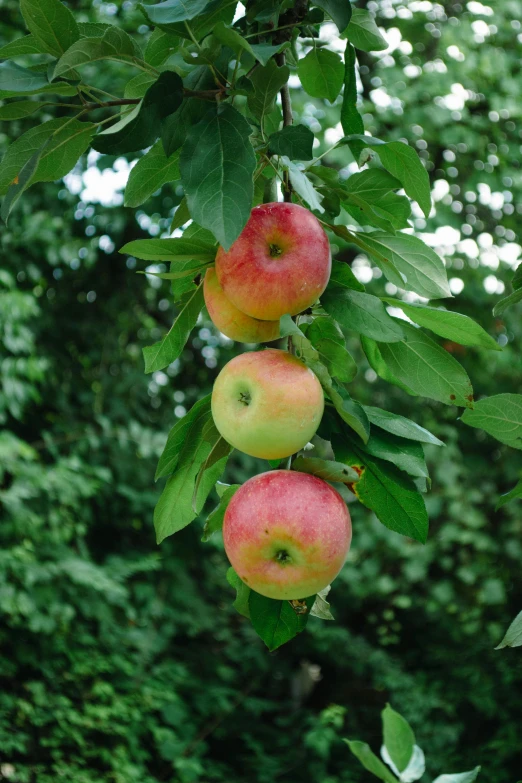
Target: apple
[279, 264]
[287, 534]
[231, 321]
[267, 403]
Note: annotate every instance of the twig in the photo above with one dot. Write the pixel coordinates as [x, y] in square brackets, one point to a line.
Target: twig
[288, 119]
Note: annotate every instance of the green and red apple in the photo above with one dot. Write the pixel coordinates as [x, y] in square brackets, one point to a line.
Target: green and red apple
[267, 403]
[287, 534]
[279, 264]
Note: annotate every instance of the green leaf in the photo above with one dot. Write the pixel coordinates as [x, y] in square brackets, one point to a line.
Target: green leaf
[215, 461]
[513, 635]
[22, 181]
[377, 363]
[175, 128]
[508, 301]
[214, 522]
[199, 26]
[391, 496]
[152, 171]
[173, 11]
[69, 140]
[424, 366]
[142, 127]
[453, 326]
[513, 494]
[339, 10]
[263, 52]
[181, 215]
[321, 73]
[362, 313]
[350, 411]
[343, 277]
[302, 185]
[178, 436]
[92, 29]
[328, 341]
[28, 44]
[500, 416]
[177, 249]
[57, 88]
[19, 109]
[15, 79]
[217, 164]
[159, 47]
[175, 510]
[368, 196]
[230, 37]
[459, 777]
[51, 23]
[398, 425]
[326, 469]
[321, 607]
[242, 593]
[276, 622]
[115, 44]
[294, 141]
[398, 736]
[266, 83]
[368, 759]
[363, 33]
[167, 350]
[421, 269]
[404, 454]
[351, 120]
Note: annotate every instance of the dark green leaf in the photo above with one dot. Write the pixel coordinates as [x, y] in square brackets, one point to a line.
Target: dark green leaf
[500, 416]
[351, 120]
[398, 425]
[263, 52]
[151, 172]
[219, 455]
[178, 435]
[321, 73]
[350, 411]
[173, 11]
[159, 47]
[362, 313]
[175, 128]
[242, 593]
[424, 366]
[294, 141]
[398, 736]
[19, 109]
[230, 37]
[181, 215]
[177, 249]
[28, 44]
[198, 26]
[276, 622]
[508, 301]
[266, 83]
[115, 44]
[326, 469]
[343, 277]
[217, 164]
[168, 349]
[513, 494]
[22, 181]
[215, 519]
[328, 340]
[51, 23]
[363, 33]
[339, 10]
[513, 636]
[15, 79]
[405, 454]
[370, 761]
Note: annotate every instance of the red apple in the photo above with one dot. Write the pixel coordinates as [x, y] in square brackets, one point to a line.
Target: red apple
[231, 321]
[267, 403]
[279, 264]
[287, 534]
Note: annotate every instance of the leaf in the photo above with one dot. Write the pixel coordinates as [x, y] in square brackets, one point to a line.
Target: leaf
[175, 127]
[428, 369]
[399, 738]
[179, 434]
[328, 470]
[217, 164]
[22, 181]
[513, 494]
[263, 52]
[51, 23]
[152, 171]
[57, 88]
[385, 490]
[350, 411]
[321, 73]
[453, 326]
[362, 313]
[343, 277]
[19, 109]
[142, 127]
[15, 79]
[398, 425]
[377, 363]
[363, 33]
[216, 460]
[201, 25]
[302, 185]
[368, 759]
[421, 269]
[276, 622]
[513, 635]
[321, 607]
[266, 83]
[508, 301]
[27, 44]
[294, 141]
[159, 47]
[115, 44]
[214, 522]
[230, 37]
[242, 593]
[168, 349]
[328, 341]
[339, 10]
[500, 416]
[459, 777]
[173, 11]
[68, 139]
[404, 454]
[177, 249]
[181, 215]
[351, 120]
[368, 196]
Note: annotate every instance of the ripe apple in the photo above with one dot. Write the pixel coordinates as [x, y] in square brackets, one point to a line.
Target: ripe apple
[267, 403]
[231, 321]
[287, 534]
[279, 264]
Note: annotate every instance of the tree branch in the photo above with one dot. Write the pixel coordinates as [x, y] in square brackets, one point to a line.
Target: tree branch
[288, 119]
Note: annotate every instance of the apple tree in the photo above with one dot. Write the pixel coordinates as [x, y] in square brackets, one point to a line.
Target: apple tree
[206, 104]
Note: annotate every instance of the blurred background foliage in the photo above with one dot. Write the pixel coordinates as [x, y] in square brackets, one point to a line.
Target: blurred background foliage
[126, 663]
